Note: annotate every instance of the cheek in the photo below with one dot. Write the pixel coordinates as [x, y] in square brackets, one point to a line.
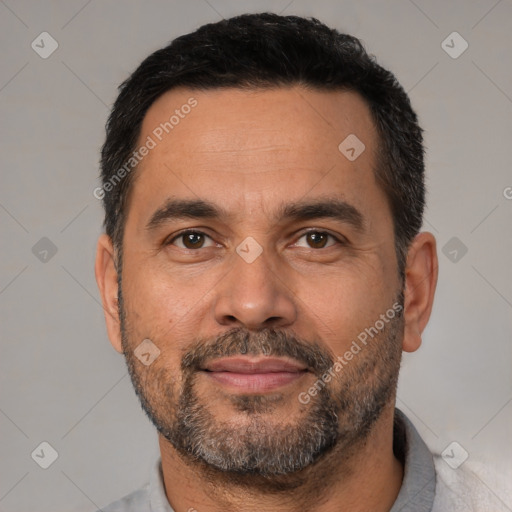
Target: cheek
[153, 294]
[164, 304]
[348, 303]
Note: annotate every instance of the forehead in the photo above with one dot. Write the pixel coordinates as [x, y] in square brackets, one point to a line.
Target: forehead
[225, 117]
[256, 143]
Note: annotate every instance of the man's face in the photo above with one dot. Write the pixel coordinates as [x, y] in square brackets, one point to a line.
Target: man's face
[256, 304]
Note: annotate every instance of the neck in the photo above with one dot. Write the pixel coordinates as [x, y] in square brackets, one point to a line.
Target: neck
[367, 478]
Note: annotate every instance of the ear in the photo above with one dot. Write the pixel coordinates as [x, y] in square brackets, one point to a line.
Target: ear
[106, 277]
[420, 285]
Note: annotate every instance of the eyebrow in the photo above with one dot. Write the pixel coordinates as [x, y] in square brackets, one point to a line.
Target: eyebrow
[329, 208]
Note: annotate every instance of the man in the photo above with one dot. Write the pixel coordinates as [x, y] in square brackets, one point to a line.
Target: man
[262, 271]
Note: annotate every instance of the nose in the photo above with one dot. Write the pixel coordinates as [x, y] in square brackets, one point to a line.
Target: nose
[254, 295]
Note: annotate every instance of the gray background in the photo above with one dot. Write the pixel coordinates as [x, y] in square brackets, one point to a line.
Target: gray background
[63, 383]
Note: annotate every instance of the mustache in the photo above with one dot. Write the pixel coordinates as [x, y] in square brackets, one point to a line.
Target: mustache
[239, 341]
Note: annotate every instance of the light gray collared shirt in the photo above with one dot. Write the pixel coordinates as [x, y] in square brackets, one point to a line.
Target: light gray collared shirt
[416, 494]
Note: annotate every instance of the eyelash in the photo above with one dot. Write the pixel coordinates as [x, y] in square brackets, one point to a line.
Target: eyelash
[196, 232]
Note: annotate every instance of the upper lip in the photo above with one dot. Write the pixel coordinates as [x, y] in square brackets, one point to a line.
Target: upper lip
[258, 365]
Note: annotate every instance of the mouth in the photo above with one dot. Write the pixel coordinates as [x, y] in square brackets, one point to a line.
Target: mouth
[257, 375]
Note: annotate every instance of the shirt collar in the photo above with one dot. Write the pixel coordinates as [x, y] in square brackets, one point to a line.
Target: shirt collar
[419, 482]
[418, 485]
[157, 496]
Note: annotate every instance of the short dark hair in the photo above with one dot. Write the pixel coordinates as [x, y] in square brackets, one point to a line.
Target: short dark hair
[267, 51]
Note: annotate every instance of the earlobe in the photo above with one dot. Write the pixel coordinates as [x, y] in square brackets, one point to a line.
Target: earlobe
[107, 280]
[420, 284]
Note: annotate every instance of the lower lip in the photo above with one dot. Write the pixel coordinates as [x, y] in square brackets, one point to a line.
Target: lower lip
[255, 382]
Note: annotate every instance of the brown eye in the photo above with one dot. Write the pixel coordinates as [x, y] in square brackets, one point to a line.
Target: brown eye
[318, 240]
[190, 240]
[193, 240]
